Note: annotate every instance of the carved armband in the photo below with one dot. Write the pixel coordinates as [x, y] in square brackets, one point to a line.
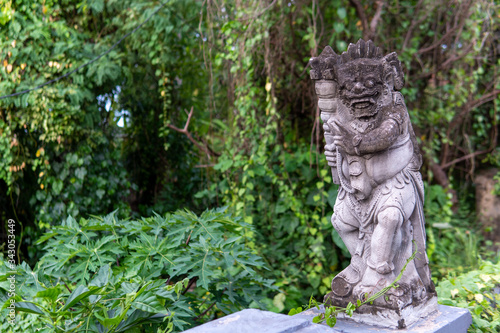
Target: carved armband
[356, 141]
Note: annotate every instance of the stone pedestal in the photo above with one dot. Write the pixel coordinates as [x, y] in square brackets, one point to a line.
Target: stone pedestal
[446, 319]
[395, 315]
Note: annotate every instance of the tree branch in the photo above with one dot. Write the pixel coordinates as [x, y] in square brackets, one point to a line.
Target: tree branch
[204, 166]
[205, 312]
[67, 287]
[204, 147]
[456, 57]
[471, 105]
[414, 23]
[440, 40]
[463, 158]
[260, 13]
[362, 17]
[376, 17]
[442, 179]
[485, 99]
[439, 175]
[457, 120]
[461, 17]
[190, 284]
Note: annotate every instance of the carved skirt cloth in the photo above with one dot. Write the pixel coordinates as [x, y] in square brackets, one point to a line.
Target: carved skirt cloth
[401, 191]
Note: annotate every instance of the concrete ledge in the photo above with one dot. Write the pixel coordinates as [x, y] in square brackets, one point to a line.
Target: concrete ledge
[253, 321]
[447, 319]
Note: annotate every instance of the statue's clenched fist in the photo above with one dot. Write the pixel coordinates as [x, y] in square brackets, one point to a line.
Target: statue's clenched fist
[331, 155]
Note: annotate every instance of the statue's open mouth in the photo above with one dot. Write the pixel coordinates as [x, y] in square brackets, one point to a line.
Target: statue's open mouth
[367, 118]
[364, 107]
[362, 103]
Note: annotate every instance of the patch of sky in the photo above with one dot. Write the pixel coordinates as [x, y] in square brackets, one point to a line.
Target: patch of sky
[122, 117]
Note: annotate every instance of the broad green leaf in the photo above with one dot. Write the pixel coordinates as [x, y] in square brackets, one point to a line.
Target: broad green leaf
[149, 304]
[138, 317]
[30, 308]
[50, 293]
[80, 293]
[101, 278]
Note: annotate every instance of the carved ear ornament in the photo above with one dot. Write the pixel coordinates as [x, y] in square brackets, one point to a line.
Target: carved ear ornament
[356, 140]
[324, 66]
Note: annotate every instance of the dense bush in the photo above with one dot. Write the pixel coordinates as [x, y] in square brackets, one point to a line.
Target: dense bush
[109, 275]
[479, 292]
[290, 208]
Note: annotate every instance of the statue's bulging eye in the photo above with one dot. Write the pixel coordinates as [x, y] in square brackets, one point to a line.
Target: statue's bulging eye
[369, 83]
[349, 85]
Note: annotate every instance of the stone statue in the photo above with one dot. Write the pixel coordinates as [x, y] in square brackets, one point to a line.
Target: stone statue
[372, 151]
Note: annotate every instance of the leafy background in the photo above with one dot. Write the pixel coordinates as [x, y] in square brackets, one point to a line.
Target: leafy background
[112, 138]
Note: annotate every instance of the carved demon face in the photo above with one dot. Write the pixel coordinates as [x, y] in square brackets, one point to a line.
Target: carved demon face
[361, 85]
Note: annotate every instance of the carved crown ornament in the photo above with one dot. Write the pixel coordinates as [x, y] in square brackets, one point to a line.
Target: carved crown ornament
[327, 65]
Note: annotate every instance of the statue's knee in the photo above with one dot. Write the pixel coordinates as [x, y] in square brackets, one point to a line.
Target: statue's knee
[390, 218]
[340, 226]
[335, 222]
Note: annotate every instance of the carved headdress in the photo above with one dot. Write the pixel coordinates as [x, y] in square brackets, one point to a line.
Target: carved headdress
[327, 64]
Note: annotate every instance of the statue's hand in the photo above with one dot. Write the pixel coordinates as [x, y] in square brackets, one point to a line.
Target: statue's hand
[342, 138]
[331, 155]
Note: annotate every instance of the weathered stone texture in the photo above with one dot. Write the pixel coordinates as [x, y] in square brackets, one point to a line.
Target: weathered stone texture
[254, 321]
[374, 157]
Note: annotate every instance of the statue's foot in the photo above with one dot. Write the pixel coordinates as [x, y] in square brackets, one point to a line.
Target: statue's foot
[373, 281]
[343, 282]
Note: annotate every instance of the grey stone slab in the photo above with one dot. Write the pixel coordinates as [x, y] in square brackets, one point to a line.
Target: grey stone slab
[253, 321]
[447, 319]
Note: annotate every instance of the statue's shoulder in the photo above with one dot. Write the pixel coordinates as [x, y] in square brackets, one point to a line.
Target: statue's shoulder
[398, 112]
[398, 99]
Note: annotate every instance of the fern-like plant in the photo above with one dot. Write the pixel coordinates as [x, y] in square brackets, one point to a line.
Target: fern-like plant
[161, 273]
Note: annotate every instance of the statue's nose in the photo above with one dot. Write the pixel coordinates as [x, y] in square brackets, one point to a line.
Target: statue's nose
[358, 87]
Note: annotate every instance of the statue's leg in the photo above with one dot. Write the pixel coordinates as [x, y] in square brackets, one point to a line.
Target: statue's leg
[386, 235]
[387, 239]
[379, 272]
[386, 242]
[348, 232]
[348, 228]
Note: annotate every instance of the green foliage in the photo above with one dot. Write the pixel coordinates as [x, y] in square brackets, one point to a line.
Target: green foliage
[478, 291]
[265, 188]
[454, 241]
[108, 303]
[267, 172]
[267, 193]
[61, 152]
[79, 183]
[496, 190]
[166, 58]
[108, 274]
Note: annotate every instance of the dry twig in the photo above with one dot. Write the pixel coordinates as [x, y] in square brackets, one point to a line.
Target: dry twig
[203, 146]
